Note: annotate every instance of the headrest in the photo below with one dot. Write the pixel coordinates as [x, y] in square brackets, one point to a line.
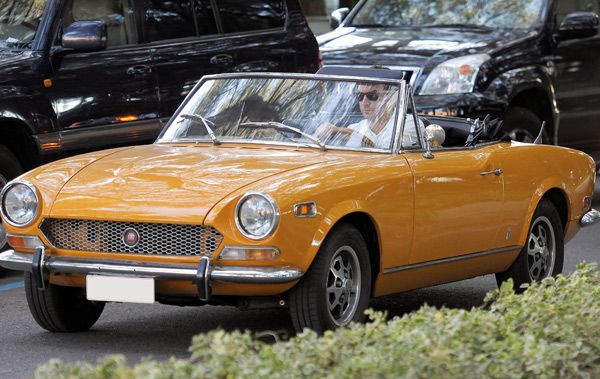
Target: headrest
[379, 73]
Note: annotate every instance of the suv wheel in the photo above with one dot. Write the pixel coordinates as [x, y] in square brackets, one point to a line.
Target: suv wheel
[61, 309]
[336, 289]
[9, 168]
[523, 125]
[543, 253]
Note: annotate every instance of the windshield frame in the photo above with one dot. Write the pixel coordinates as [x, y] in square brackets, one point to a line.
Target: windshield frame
[399, 113]
[544, 14]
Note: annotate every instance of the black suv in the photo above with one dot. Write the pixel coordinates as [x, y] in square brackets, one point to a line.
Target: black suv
[81, 75]
[527, 61]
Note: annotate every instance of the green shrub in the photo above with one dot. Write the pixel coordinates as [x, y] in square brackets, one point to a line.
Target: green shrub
[550, 331]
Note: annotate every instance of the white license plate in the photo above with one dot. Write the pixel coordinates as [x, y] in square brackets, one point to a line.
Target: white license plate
[120, 289]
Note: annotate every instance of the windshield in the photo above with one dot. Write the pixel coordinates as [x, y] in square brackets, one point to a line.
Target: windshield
[308, 112]
[19, 20]
[496, 14]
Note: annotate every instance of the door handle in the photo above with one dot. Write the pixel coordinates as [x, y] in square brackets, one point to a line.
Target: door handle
[139, 70]
[222, 60]
[496, 172]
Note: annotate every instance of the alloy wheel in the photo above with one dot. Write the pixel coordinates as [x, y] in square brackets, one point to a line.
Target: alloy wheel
[541, 249]
[343, 285]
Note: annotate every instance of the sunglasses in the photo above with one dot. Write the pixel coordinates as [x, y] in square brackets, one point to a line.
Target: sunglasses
[372, 96]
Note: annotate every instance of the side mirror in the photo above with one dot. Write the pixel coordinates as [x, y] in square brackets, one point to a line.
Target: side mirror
[578, 25]
[85, 36]
[435, 136]
[338, 16]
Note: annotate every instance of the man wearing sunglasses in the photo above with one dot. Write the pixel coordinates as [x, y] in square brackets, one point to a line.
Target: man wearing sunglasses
[376, 104]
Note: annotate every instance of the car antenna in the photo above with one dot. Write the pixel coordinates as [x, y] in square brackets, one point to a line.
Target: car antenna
[540, 136]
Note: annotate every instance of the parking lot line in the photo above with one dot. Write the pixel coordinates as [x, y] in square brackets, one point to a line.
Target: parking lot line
[11, 286]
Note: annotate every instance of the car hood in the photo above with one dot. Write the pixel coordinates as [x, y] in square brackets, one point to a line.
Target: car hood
[170, 184]
[411, 46]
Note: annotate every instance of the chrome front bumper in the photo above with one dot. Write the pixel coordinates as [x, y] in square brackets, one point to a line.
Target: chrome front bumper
[591, 217]
[202, 275]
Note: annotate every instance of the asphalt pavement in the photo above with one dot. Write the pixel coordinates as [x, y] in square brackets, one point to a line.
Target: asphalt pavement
[163, 331]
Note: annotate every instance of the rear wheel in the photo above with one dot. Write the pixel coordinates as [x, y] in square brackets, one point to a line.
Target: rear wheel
[543, 254]
[523, 125]
[9, 168]
[61, 309]
[336, 289]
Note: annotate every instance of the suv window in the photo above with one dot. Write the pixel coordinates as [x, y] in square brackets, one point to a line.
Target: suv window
[565, 7]
[243, 16]
[178, 19]
[116, 14]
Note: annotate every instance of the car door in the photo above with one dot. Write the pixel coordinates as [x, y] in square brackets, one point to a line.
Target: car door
[577, 82]
[186, 45]
[109, 97]
[458, 199]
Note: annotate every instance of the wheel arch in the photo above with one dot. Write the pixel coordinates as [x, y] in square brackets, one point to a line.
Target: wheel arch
[536, 99]
[558, 197]
[15, 135]
[355, 214]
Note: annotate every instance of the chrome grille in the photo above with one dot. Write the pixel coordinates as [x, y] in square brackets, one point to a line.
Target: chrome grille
[107, 237]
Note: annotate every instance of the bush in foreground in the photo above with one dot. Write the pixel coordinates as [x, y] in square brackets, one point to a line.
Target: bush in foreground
[551, 331]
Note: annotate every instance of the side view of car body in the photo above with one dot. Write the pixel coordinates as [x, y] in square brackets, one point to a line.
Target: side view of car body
[245, 198]
[84, 75]
[524, 61]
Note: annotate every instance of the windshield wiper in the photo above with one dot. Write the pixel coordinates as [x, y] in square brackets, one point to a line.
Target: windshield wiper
[280, 126]
[457, 25]
[203, 121]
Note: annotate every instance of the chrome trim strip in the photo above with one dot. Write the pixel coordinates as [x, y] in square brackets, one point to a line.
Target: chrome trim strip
[394, 270]
[590, 218]
[227, 274]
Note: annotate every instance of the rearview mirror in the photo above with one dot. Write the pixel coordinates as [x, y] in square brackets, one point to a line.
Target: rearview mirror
[338, 16]
[85, 36]
[578, 25]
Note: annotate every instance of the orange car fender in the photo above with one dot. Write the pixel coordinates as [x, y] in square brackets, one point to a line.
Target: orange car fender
[546, 185]
[332, 216]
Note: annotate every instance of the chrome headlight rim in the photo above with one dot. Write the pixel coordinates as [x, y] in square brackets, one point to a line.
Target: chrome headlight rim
[273, 204]
[7, 188]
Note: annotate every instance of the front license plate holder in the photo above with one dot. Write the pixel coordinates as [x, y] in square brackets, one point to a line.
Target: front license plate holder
[120, 289]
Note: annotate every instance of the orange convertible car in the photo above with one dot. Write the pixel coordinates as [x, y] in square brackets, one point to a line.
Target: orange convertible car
[310, 192]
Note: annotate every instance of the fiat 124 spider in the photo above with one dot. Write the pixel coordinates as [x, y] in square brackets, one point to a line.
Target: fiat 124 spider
[314, 193]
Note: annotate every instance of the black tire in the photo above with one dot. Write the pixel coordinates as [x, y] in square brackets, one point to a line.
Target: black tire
[61, 309]
[523, 125]
[309, 300]
[9, 169]
[533, 264]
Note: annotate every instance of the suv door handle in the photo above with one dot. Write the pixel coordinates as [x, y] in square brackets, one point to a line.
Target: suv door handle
[496, 172]
[139, 70]
[222, 60]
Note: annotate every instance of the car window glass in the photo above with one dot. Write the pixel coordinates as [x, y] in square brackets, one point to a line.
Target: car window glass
[19, 21]
[242, 15]
[118, 16]
[178, 19]
[564, 7]
[410, 137]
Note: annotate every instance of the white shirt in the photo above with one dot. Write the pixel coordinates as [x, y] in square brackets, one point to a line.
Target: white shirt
[382, 140]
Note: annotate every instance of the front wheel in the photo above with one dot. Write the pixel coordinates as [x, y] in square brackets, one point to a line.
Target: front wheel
[543, 254]
[336, 289]
[61, 309]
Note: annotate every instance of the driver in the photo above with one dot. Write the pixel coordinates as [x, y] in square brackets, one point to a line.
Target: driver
[375, 130]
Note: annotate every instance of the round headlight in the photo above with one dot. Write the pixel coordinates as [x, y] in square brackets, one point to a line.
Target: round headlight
[256, 215]
[19, 203]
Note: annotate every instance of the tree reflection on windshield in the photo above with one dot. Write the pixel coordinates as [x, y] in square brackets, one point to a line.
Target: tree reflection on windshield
[19, 20]
[510, 14]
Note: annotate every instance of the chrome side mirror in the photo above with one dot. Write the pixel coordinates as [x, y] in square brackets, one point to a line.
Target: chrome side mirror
[338, 16]
[435, 136]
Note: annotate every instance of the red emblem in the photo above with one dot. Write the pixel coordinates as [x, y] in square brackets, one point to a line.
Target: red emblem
[131, 237]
